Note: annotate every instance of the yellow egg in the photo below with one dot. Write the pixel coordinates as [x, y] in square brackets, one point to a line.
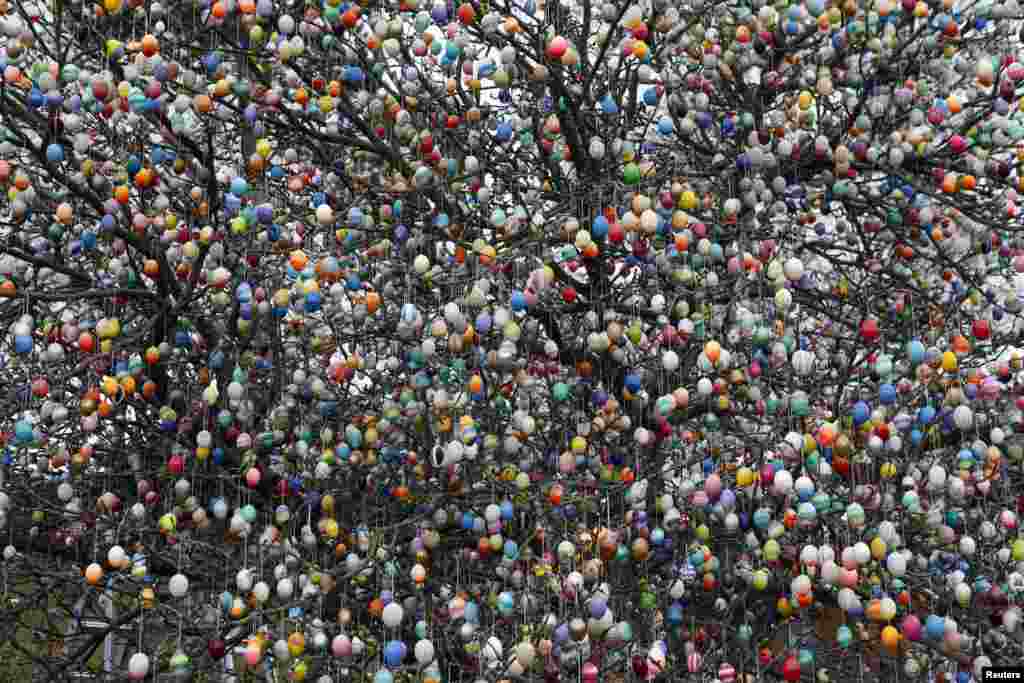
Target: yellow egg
[744, 477]
[949, 361]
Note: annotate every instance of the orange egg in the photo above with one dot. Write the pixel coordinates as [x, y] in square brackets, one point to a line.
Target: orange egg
[476, 384]
[151, 267]
[555, 495]
[713, 351]
[202, 103]
[826, 435]
[94, 574]
[968, 182]
[218, 11]
[949, 183]
[372, 302]
[65, 213]
[150, 45]
[890, 638]
[298, 259]
[122, 194]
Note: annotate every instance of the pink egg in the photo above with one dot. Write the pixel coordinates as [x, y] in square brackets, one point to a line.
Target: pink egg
[713, 486]
[911, 628]
[341, 646]
[252, 477]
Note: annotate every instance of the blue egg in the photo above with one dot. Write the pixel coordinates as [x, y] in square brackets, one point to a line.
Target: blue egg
[609, 105]
[483, 323]
[887, 394]
[935, 627]
[915, 352]
[472, 613]
[518, 301]
[54, 153]
[23, 343]
[926, 415]
[394, 653]
[23, 431]
[675, 614]
[861, 413]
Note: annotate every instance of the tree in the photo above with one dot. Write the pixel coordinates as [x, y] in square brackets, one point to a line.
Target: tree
[385, 340]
